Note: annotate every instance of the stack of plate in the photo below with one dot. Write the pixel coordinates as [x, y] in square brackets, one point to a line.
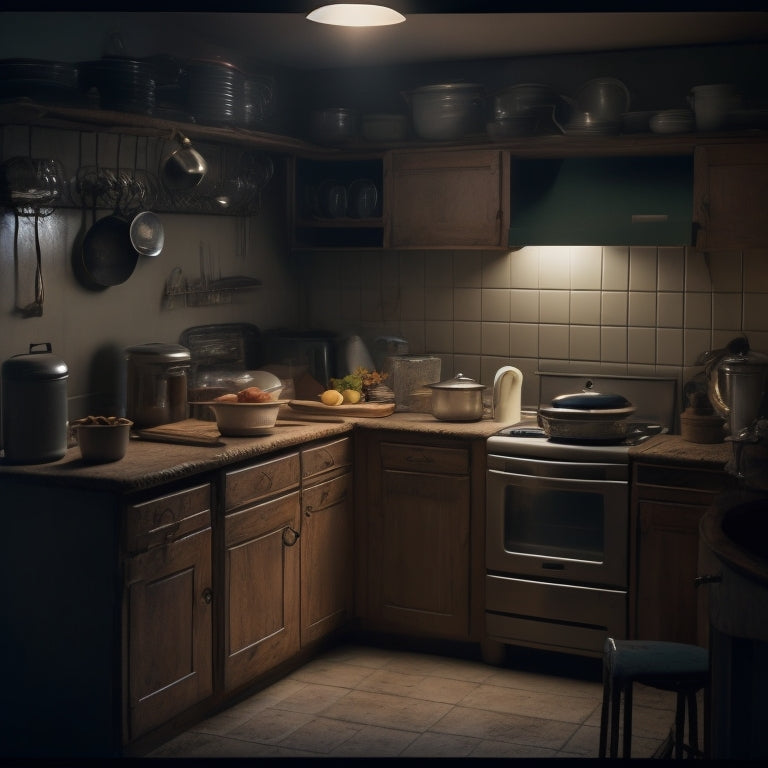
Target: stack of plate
[673, 121]
[585, 124]
[38, 79]
[124, 85]
[215, 92]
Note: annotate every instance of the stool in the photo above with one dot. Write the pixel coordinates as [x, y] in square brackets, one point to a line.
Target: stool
[677, 667]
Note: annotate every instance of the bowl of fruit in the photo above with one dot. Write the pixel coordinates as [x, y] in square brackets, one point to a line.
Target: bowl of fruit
[246, 413]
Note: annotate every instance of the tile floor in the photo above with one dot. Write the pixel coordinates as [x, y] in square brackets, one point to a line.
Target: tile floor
[358, 700]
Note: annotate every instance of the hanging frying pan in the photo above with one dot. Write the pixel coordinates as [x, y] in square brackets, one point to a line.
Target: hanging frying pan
[109, 257]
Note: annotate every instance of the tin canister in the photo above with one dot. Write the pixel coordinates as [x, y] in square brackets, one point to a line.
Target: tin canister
[34, 406]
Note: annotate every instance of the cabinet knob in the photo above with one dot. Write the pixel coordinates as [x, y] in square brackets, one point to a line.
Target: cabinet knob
[708, 578]
[207, 596]
[290, 536]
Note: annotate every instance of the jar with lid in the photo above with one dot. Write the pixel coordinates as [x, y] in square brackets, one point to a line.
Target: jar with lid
[34, 406]
[157, 383]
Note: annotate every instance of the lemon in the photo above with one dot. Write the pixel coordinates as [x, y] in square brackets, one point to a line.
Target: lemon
[351, 396]
[331, 397]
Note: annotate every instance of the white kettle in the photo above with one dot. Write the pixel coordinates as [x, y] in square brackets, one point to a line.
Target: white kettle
[507, 394]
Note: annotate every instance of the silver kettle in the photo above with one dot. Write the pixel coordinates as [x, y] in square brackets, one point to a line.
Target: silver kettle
[737, 384]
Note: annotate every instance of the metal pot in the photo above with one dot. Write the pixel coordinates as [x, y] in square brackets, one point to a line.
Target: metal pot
[457, 399]
[34, 406]
[584, 429]
[447, 112]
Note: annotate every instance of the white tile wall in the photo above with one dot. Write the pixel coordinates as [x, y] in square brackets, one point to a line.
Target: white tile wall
[616, 309]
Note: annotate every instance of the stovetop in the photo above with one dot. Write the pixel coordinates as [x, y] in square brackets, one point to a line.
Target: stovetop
[654, 399]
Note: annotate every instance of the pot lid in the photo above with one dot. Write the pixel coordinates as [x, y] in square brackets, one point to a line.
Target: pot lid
[583, 414]
[158, 352]
[460, 382]
[589, 400]
[39, 364]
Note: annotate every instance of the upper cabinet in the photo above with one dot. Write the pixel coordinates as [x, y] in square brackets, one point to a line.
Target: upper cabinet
[602, 200]
[731, 189]
[448, 199]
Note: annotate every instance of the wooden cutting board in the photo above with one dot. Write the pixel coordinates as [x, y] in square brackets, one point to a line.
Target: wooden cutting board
[371, 410]
[186, 432]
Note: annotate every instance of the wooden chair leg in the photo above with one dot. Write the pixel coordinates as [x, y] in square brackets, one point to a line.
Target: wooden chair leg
[693, 725]
[604, 718]
[627, 747]
[615, 710]
[679, 725]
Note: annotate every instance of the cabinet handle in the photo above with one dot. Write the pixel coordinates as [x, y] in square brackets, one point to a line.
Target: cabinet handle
[338, 500]
[207, 596]
[172, 531]
[290, 536]
[419, 458]
[708, 578]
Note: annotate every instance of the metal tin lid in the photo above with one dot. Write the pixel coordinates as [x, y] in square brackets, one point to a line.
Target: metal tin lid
[158, 352]
[38, 365]
[460, 382]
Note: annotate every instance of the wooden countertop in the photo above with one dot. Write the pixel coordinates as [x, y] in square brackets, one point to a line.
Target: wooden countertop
[672, 449]
[148, 464]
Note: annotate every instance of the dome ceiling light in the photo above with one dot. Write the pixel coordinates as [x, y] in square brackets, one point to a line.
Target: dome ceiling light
[355, 15]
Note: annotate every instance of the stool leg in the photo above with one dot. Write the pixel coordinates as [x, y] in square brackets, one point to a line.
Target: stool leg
[615, 708]
[693, 725]
[604, 718]
[679, 725]
[627, 748]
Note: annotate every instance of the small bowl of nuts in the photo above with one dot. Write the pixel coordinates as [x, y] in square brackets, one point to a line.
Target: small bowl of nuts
[102, 438]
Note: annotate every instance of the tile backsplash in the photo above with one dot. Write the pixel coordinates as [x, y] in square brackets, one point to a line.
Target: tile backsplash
[622, 310]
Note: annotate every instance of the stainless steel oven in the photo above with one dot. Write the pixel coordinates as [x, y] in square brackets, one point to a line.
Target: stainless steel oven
[557, 525]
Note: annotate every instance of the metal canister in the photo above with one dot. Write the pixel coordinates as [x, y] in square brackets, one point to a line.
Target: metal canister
[34, 406]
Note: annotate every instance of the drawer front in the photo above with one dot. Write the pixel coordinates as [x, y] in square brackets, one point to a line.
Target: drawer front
[262, 520]
[326, 458]
[260, 481]
[326, 495]
[424, 458]
[167, 518]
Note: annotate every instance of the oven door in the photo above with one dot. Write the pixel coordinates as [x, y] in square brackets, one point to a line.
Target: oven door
[558, 521]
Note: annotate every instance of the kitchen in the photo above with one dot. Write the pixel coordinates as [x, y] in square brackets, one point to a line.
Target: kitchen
[659, 307]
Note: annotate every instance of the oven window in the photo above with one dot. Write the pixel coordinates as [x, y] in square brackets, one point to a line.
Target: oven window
[554, 523]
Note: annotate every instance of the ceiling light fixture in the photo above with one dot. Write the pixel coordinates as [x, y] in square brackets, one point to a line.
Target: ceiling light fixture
[355, 15]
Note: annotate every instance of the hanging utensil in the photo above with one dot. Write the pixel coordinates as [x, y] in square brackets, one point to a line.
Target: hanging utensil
[184, 168]
[146, 231]
[109, 257]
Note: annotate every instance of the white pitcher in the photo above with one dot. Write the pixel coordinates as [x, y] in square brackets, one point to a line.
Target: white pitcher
[507, 394]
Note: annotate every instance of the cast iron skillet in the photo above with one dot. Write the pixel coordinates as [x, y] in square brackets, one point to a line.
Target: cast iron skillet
[108, 255]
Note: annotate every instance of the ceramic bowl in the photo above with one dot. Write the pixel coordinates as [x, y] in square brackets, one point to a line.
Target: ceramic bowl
[245, 419]
[103, 443]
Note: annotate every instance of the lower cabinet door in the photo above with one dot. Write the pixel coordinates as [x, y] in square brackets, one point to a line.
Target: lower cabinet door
[327, 586]
[419, 555]
[261, 601]
[170, 654]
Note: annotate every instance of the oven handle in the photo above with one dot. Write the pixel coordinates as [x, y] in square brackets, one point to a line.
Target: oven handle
[557, 483]
[566, 470]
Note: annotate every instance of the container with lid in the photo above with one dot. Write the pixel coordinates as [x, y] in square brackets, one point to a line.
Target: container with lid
[458, 399]
[34, 406]
[157, 383]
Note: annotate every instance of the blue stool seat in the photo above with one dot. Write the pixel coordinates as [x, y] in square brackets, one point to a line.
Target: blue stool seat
[678, 667]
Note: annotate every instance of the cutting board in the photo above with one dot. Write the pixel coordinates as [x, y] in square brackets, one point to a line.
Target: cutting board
[186, 432]
[371, 410]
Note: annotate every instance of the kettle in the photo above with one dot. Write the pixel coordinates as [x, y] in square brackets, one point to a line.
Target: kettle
[507, 394]
[736, 384]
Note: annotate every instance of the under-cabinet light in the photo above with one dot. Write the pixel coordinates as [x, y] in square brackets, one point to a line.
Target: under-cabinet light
[355, 15]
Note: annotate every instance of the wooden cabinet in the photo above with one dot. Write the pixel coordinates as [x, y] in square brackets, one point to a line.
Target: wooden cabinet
[261, 568]
[668, 502]
[730, 193]
[168, 607]
[449, 199]
[421, 508]
[327, 527]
